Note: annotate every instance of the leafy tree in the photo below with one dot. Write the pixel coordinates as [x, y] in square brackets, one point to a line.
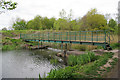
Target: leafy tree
[92, 20]
[7, 5]
[35, 24]
[112, 23]
[73, 25]
[83, 23]
[46, 23]
[51, 24]
[19, 24]
[61, 24]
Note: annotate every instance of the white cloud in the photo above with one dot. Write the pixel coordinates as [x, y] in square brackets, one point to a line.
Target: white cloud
[28, 9]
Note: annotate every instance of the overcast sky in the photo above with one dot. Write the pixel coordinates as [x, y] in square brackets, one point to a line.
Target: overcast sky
[28, 9]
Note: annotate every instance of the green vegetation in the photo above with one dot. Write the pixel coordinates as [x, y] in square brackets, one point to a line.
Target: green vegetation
[11, 44]
[8, 5]
[115, 45]
[14, 44]
[89, 70]
[92, 20]
[81, 59]
[54, 61]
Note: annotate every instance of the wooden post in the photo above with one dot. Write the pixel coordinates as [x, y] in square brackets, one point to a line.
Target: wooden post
[65, 52]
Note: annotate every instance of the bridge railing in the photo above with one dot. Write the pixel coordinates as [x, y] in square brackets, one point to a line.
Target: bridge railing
[87, 36]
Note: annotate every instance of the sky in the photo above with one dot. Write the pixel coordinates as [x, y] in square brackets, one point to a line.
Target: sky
[28, 9]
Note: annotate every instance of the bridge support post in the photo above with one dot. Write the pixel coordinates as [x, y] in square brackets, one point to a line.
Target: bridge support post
[38, 44]
[65, 52]
[41, 43]
[62, 47]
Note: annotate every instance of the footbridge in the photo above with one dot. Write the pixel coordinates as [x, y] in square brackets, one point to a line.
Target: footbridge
[97, 38]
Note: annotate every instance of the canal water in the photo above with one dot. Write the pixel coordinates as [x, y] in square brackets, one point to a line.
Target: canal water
[26, 64]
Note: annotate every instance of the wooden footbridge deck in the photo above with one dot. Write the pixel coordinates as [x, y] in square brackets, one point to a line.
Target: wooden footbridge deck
[98, 38]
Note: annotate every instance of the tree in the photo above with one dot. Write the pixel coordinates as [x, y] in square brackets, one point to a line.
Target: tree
[113, 25]
[62, 14]
[93, 21]
[73, 25]
[41, 23]
[36, 23]
[61, 24]
[19, 24]
[70, 15]
[7, 5]
[52, 20]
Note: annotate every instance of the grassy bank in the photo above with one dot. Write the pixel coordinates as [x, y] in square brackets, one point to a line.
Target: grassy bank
[15, 44]
[90, 69]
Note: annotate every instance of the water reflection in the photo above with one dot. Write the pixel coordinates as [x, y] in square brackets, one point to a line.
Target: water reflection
[26, 64]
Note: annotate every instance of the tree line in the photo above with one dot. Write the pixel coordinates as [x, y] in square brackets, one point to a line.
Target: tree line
[92, 20]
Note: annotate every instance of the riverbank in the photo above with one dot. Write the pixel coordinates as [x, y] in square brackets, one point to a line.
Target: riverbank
[97, 68]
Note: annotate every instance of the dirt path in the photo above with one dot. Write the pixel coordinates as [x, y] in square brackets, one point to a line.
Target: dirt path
[114, 72]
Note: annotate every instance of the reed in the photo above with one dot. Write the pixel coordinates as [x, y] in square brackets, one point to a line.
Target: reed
[81, 59]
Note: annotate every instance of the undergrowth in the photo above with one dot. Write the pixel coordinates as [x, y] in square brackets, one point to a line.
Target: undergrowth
[81, 71]
[81, 59]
